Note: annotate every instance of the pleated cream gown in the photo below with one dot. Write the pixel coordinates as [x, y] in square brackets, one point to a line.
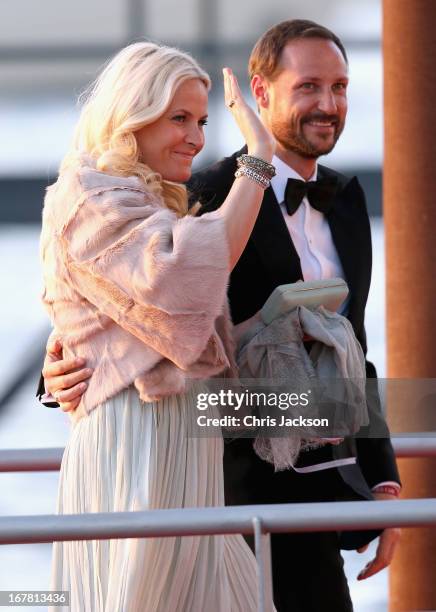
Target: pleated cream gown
[131, 455]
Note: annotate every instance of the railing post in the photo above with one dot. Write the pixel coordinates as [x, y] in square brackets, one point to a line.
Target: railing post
[262, 541]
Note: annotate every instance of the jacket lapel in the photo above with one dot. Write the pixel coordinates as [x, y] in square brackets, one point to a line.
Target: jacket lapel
[344, 237]
[274, 244]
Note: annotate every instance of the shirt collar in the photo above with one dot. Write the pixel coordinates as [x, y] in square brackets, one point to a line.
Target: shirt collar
[283, 172]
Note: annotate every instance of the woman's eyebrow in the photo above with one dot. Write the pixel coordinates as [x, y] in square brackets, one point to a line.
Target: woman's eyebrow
[183, 110]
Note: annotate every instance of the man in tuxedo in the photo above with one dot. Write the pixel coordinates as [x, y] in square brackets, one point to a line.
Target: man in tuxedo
[305, 230]
[299, 77]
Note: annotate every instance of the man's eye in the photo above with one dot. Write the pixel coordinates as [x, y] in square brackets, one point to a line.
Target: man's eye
[308, 86]
[340, 86]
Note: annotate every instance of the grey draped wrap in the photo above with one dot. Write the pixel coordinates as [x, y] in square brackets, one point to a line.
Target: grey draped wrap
[334, 368]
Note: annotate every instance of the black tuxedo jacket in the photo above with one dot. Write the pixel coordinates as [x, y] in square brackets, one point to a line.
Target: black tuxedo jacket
[270, 259]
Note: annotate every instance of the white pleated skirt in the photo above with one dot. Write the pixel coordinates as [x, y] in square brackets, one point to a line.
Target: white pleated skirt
[130, 455]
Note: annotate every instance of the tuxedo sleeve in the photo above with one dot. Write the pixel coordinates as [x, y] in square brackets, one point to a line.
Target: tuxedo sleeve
[375, 453]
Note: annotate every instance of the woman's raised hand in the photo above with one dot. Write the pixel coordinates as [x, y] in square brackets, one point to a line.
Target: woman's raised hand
[259, 141]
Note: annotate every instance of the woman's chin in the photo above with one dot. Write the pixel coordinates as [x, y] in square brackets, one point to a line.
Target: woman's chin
[180, 176]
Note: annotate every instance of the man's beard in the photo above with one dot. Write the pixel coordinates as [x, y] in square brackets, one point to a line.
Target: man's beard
[291, 135]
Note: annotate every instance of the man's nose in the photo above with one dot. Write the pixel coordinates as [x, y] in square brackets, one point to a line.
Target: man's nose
[327, 102]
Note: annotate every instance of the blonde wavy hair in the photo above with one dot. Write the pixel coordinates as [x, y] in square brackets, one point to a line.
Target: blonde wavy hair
[134, 89]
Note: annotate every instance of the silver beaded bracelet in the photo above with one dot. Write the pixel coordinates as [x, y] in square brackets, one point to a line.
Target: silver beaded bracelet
[257, 164]
[259, 178]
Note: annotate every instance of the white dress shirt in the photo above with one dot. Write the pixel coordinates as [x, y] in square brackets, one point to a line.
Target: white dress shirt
[309, 230]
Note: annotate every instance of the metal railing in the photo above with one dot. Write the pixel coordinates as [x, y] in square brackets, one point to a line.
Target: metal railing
[262, 520]
[49, 459]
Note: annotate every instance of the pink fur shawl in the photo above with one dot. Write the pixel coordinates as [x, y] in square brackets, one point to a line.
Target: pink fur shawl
[137, 292]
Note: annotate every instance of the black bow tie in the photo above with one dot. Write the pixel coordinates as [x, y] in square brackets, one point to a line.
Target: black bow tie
[320, 194]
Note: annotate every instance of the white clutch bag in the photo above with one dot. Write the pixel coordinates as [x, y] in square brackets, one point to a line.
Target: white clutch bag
[329, 293]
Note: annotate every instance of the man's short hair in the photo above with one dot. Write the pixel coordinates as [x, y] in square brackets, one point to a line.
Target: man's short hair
[266, 54]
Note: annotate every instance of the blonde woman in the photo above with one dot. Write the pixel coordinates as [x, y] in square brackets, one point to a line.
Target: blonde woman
[136, 286]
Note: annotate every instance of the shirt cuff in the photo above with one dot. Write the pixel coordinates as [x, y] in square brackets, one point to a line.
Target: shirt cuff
[389, 483]
[48, 400]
